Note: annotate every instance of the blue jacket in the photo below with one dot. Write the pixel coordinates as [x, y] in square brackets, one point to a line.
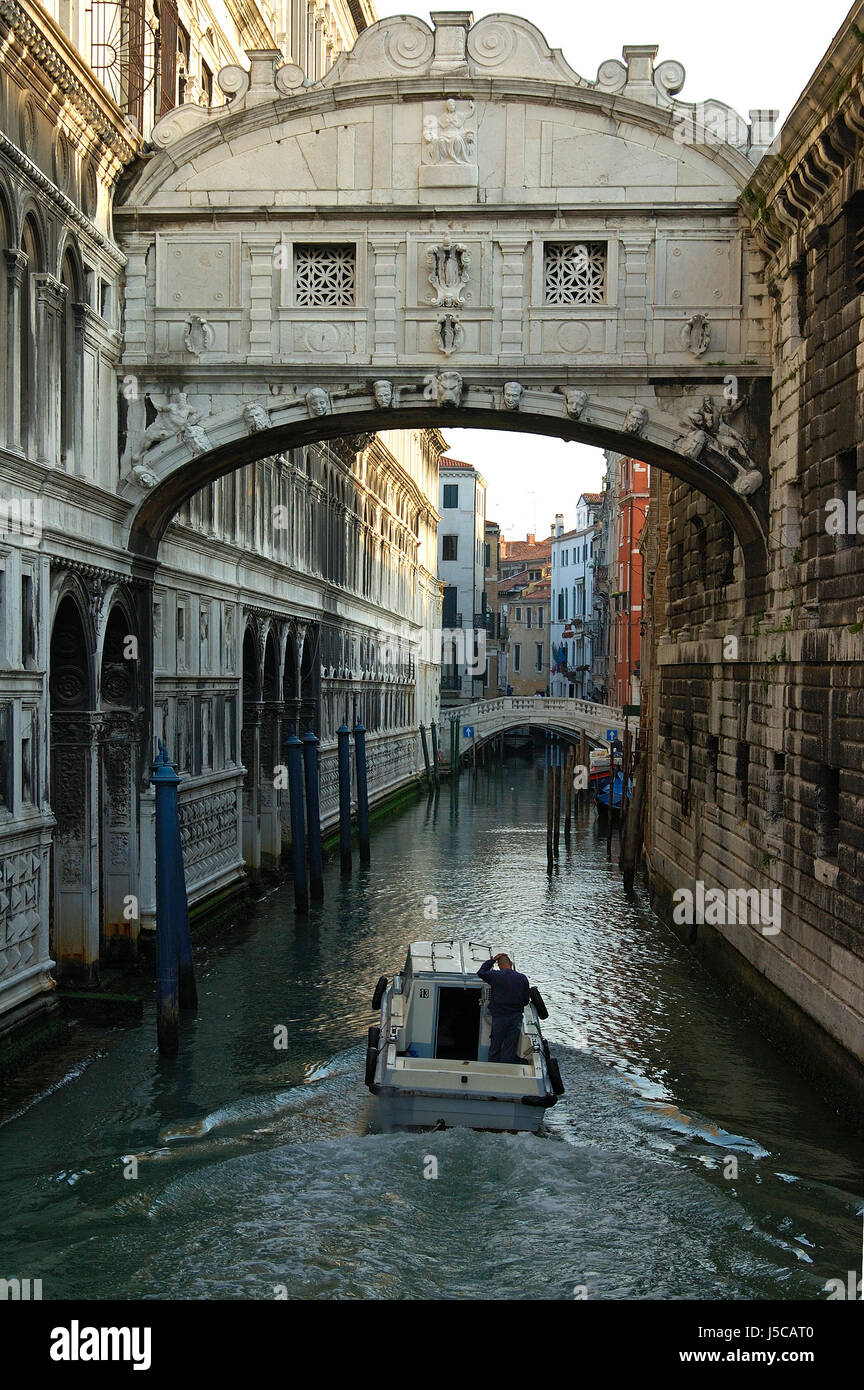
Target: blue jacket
[509, 989]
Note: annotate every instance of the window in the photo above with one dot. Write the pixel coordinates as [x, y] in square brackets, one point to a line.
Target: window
[230, 730]
[207, 83]
[449, 547]
[6, 756]
[518, 615]
[450, 495]
[539, 661]
[28, 758]
[527, 617]
[184, 49]
[561, 607]
[325, 275]
[574, 272]
[448, 613]
[517, 656]
[487, 557]
[539, 617]
[28, 638]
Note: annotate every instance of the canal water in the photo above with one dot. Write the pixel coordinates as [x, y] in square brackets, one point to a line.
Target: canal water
[260, 1173]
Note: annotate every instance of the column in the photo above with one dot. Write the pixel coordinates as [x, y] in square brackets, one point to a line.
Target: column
[633, 310]
[385, 296]
[513, 296]
[16, 262]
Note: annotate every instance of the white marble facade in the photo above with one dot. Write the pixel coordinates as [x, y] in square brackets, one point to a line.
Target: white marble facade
[316, 564]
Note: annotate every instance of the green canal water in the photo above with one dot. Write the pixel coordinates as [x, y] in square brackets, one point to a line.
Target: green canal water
[260, 1172]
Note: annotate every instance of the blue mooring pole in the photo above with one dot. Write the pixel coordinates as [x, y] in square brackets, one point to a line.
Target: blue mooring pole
[294, 753]
[426, 756]
[343, 733]
[433, 728]
[313, 815]
[362, 792]
[175, 983]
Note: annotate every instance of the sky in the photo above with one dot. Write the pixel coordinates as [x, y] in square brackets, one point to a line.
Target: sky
[746, 54]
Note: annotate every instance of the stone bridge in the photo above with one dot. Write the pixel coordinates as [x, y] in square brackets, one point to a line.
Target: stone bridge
[451, 227]
[561, 716]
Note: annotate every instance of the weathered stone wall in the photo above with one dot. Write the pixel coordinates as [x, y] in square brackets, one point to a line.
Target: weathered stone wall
[755, 724]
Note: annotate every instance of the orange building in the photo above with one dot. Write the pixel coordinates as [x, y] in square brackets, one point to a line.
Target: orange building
[626, 595]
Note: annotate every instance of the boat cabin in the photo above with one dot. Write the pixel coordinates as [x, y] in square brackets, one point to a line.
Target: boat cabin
[437, 1004]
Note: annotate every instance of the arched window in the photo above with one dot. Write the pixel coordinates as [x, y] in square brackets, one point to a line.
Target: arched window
[69, 365]
[30, 245]
[5, 245]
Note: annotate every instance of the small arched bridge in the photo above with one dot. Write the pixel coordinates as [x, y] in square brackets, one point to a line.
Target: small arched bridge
[569, 717]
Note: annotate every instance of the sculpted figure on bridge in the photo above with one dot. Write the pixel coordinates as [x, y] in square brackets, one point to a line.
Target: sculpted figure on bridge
[575, 402]
[513, 393]
[695, 436]
[317, 401]
[708, 424]
[446, 137]
[256, 417]
[443, 387]
[635, 420]
[174, 416]
[383, 393]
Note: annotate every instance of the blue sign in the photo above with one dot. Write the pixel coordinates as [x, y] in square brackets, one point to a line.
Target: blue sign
[468, 731]
[611, 735]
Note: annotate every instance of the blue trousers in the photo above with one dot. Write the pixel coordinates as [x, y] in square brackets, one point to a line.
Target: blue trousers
[505, 1037]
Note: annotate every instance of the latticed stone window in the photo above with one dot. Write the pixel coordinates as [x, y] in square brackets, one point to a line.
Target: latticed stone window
[325, 275]
[574, 272]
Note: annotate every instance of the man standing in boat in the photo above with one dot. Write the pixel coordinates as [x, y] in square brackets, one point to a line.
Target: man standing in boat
[509, 991]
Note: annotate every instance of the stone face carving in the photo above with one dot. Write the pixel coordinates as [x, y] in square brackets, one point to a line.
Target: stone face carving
[450, 267]
[446, 138]
[383, 393]
[635, 420]
[696, 335]
[174, 417]
[513, 392]
[575, 402]
[195, 439]
[451, 334]
[443, 387]
[199, 336]
[318, 402]
[256, 417]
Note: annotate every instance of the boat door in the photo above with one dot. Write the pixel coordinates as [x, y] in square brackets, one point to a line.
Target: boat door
[457, 1022]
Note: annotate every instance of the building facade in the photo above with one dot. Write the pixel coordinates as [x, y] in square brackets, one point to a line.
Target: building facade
[573, 632]
[494, 634]
[462, 572]
[631, 491]
[300, 590]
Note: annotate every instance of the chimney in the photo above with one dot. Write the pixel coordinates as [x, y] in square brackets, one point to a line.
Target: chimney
[530, 537]
[559, 523]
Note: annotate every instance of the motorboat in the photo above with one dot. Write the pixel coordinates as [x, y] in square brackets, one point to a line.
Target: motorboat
[427, 1060]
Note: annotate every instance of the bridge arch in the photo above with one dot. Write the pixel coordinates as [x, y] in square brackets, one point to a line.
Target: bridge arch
[452, 226]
